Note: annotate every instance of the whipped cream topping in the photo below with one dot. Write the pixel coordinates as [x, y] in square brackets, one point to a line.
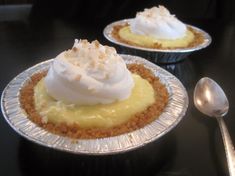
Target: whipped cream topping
[88, 74]
[159, 23]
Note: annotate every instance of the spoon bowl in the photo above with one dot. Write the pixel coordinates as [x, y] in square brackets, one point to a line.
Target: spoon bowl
[210, 99]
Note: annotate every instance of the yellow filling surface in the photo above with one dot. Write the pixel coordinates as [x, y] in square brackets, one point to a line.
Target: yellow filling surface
[150, 41]
[101, 116]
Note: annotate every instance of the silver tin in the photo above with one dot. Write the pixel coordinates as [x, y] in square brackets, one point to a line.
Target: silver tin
[173, 113]
[155, 55]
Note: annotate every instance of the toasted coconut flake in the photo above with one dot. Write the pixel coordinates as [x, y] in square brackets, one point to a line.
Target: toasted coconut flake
[78, 77]
[74, 49]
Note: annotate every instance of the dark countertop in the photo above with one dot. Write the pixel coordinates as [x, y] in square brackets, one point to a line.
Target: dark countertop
[194, 147]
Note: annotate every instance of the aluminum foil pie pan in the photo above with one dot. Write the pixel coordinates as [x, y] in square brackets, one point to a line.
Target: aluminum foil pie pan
[155, 55]
[171, 116]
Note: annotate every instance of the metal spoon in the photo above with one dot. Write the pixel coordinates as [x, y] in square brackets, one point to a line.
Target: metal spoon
[211, 100]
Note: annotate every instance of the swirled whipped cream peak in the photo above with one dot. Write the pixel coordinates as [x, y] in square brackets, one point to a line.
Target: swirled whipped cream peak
[159, 23]
[89, 74]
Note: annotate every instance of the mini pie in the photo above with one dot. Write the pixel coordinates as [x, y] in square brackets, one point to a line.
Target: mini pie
[94, 113]
[156, 28]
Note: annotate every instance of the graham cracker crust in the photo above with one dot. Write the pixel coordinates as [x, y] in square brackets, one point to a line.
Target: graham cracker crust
[139, 120]
[198, 39]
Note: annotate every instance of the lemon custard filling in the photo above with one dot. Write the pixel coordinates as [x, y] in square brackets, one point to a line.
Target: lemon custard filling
[98, 116]
[151, 41]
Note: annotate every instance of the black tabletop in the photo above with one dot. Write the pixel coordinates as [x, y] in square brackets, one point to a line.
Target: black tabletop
[194, 147]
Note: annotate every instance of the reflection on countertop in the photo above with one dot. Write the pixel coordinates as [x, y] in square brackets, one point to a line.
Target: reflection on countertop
[183, 70]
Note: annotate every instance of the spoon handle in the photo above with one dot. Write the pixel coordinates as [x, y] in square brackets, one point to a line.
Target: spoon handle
[229, 149]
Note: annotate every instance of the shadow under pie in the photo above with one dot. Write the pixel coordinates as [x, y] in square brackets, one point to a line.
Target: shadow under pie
[148, 160]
